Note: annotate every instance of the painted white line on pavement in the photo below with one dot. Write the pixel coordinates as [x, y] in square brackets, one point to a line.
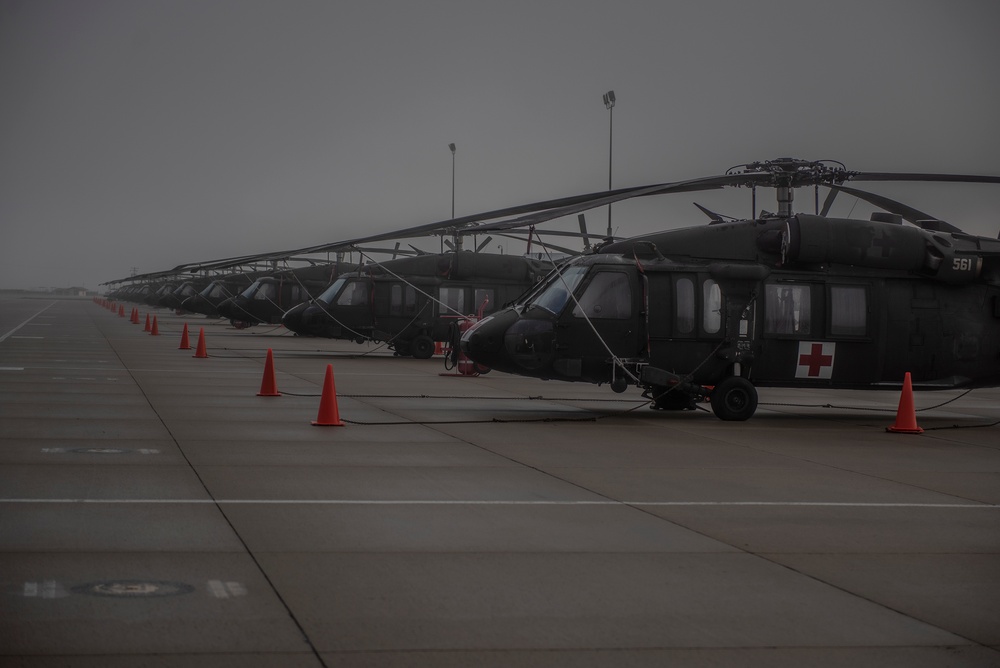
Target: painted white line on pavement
[452, 502]
[5, 336]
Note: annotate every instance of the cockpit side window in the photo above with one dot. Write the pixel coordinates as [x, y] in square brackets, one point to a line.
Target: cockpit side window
[608, 295]
[265, 292]
[355, 293]
[331, 292]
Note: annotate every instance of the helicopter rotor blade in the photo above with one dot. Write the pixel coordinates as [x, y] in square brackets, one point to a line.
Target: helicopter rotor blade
[828, 202]
[904, 176]
[484, 243]
[561, 249]
[713, 216]
[582, 219]
[908, 213]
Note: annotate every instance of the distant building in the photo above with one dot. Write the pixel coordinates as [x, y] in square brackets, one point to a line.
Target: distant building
[72, 292]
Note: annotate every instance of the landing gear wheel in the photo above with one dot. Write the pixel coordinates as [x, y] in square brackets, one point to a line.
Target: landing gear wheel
[402, 348]
[734, 399]
[422, 348]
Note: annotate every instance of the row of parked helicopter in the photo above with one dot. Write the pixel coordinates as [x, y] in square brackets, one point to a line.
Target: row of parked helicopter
[691, 314]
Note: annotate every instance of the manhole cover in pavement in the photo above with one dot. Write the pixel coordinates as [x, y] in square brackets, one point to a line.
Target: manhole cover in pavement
[134, 588]
[101, 451]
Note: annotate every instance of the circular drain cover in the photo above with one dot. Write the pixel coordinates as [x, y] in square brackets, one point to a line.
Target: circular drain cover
[134, 588]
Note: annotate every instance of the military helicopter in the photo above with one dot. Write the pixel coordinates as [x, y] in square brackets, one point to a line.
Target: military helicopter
[784, 299]
[207, 301]
[267, 299]
[191, 287]
[413, 302]
[410, 302]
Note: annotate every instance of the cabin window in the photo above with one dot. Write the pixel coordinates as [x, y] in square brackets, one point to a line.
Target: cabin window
[684, 293]
[396, 299]
[848, 310]
[452, 300]
[402, 299]
[711, 320]
[355, 294]
[607, 296]
[409, 300]
[789, 309]
[484, 300]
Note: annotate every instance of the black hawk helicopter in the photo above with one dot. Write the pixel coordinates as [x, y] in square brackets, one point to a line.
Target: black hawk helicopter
[413, 302]
[410, 302]
[267, 299]
[784, 299]
[218, 291]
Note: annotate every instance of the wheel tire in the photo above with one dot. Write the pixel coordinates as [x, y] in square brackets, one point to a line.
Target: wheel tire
[422, 348]
[734, 399]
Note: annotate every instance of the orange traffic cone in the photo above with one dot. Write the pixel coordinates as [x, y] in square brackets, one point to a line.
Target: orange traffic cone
[906, 416]
[135, 316]
[328, 416]
[268, 385]
[147, 328]
[121, 311]
[156, 330]
[202, 351]
[185, 344]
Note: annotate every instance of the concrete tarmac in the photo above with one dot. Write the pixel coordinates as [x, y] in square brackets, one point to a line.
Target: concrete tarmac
[154, 511]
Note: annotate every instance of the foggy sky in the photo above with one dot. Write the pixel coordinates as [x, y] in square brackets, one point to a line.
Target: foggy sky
[146, 133]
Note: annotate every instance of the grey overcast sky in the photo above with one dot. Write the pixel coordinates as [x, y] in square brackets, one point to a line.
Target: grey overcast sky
[147, 133]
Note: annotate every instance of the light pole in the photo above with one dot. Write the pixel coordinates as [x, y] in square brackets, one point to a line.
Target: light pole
[609, 104]
[452, 147]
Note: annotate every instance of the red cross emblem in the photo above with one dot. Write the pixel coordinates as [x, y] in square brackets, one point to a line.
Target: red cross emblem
[815, 359]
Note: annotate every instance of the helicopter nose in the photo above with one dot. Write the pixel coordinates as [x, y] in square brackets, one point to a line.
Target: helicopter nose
[191, 304]
[508, 342]
[293, 318]
[226, 309]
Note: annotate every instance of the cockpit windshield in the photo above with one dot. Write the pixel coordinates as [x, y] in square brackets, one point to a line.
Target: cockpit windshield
[217, 290]
[248, 293]
[554, 295]
[332, 291]
[267, 291]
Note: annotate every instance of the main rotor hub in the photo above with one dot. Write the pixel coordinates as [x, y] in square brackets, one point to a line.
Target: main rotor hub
[793, 172]
[786, 174]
